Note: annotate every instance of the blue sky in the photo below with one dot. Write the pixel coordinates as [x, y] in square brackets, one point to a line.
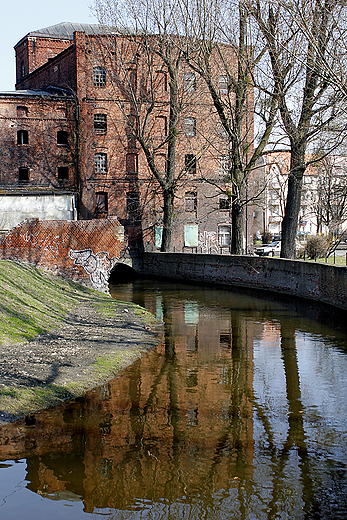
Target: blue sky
[19, 17]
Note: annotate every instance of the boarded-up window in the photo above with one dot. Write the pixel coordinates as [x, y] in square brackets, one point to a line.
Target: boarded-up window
[191, 235]
[158, 230]
[224, 236]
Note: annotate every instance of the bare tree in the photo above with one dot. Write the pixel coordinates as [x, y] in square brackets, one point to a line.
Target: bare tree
[233, 81]
[302, 40]
[152, 92]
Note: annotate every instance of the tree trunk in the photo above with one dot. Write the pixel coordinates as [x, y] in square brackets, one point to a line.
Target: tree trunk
[166, 243]
[236, 228]
[293, 202]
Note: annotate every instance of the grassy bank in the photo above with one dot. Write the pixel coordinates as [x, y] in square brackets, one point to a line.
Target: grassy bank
[59, 339]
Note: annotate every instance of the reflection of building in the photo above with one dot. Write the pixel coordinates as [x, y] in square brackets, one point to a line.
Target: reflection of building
[63, 134]
[175, 424]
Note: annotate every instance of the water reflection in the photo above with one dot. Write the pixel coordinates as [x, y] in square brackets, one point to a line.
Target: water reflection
[228, 418]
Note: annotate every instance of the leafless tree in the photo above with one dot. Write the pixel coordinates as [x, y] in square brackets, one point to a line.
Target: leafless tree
[237, 88]
[303, 39]
[149, 89]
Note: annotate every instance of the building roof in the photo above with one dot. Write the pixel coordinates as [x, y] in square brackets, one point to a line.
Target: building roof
[49, 91]
[65, 30]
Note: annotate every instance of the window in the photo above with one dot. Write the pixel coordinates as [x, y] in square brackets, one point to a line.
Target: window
[23, 174]
[224, 236]
[190, 126]
[22, 137]
[100, 162]
[63, 173]
[190, 163]
[100, 123]
[222, 131]
[224, 165]
[62, 137]
[161, 81]
[99, 77]
[191, 201]
[189, 82]
[161, 126]
[191, 235]
[224, 203]
[22, 111]
[223, 84]
[101, 203]
[22, 69]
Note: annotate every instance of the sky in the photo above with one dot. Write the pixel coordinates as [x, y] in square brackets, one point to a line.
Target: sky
[19, 17]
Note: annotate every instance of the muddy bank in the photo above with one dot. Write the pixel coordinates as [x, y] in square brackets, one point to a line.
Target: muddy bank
[59, 339]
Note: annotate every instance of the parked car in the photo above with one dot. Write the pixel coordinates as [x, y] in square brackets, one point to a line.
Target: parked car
[269, 249]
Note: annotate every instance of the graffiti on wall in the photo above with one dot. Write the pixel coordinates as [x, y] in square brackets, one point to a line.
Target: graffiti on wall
[208, 242]
[49, 244]
[98, 266]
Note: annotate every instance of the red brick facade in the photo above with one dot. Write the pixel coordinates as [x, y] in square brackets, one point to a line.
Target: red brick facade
[106, 168]
[83, 251]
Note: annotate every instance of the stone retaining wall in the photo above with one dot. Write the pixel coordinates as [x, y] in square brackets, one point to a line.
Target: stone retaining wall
[314, 281]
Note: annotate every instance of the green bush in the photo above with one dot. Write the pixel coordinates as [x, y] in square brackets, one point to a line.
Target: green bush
[316, 246]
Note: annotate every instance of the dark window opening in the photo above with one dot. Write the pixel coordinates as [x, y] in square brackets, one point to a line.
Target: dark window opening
[100, 161]
[99, 77]
[23, 174]
[224, 203]
[100, 123]
[63, 173]
[22, 137]
[190, 126]
[190, 163]
[191, 201]
[101, 203]
[62, 137]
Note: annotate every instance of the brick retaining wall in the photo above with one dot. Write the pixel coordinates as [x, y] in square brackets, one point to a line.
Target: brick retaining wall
[314, 281]
[81, 250]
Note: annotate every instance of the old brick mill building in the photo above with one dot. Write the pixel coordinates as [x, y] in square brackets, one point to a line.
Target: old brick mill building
[67, 153]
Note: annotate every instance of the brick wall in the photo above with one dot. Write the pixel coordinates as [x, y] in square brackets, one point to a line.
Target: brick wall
[83, 251]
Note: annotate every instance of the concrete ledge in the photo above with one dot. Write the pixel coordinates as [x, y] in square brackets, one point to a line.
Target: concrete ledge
[313, 281]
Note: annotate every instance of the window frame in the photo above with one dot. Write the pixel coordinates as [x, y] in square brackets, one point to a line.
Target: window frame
[22, 137]
[99, 76]
[100, 163]
[100, 123]
[190, 126]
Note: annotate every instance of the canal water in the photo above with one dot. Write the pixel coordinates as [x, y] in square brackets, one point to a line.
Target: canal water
[239, 414]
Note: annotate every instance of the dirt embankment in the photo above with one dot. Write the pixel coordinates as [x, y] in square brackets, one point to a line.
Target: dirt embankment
[59, 339]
